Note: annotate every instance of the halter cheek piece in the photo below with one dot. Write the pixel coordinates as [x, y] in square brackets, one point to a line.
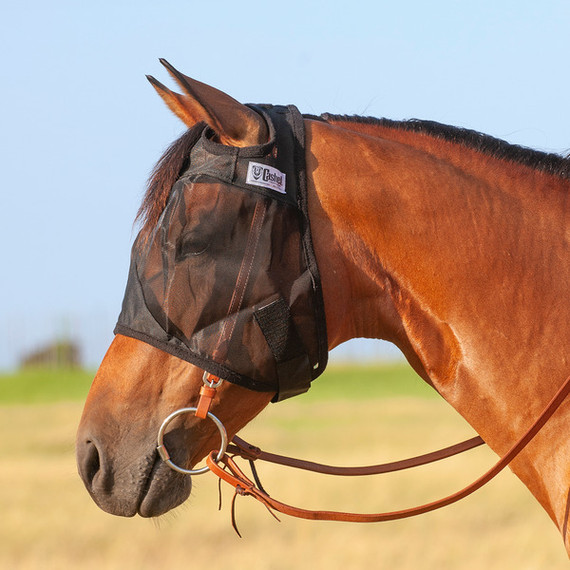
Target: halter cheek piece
[202, 411]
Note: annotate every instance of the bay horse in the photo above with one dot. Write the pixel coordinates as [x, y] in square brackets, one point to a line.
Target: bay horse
[448, 243]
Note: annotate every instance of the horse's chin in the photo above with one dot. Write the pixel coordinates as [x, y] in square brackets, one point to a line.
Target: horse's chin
[166, 490]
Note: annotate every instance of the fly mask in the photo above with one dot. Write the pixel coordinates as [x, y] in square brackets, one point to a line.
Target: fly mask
[227, 279]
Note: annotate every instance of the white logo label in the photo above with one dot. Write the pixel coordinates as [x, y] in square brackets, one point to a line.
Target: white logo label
[265, 176]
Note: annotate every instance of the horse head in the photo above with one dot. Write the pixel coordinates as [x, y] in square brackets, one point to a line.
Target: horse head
[216, 273]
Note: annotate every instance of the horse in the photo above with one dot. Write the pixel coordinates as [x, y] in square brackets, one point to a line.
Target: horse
[451, 244]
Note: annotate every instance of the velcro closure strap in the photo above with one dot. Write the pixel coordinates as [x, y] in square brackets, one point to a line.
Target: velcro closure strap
[293, 366]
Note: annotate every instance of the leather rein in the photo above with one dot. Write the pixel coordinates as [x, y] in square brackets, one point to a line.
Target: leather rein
[223, 465]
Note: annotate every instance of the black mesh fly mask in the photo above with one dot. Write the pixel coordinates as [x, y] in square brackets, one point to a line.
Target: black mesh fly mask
[227, 279]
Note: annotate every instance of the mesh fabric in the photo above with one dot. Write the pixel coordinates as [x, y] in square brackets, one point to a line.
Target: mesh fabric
[227, 280]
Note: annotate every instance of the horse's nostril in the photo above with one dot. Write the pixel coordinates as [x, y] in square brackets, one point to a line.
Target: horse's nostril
[90, 463]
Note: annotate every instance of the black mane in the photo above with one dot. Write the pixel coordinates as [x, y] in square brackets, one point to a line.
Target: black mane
[550, 163]
[163, 176]
[175, 159]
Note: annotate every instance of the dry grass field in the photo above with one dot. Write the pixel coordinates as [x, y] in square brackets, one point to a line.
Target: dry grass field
[49, 522]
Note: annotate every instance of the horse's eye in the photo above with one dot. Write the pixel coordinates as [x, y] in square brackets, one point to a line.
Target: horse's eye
[191, 246]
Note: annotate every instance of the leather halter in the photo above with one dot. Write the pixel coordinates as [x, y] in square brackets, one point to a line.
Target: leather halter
[226, 469]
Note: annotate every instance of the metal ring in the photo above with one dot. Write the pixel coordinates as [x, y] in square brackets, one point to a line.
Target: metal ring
[165, 455]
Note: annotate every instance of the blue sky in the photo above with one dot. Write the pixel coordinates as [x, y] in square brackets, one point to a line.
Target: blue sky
[81, 128]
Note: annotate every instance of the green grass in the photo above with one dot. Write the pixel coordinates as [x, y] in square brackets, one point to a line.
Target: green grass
[358, 382]
[38, 385]
[49, 521]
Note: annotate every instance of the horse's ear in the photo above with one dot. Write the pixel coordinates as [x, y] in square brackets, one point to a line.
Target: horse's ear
[234, 123]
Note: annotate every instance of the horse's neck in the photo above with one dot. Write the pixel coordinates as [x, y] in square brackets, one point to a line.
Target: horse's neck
[461, 262]
[455, 263]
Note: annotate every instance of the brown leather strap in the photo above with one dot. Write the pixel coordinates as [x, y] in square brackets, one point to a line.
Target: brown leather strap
[251, 452]
[207, 394]
[227, 470]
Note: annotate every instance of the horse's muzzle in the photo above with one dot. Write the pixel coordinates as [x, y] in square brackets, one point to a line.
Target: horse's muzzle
[129, 482]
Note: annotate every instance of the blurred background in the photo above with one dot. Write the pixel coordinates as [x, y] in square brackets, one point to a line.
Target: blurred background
[81, 129]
